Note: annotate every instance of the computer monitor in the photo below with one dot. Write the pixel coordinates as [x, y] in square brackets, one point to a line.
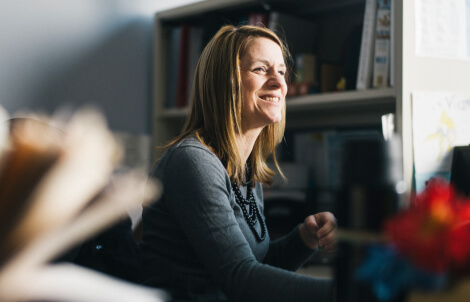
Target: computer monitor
[460, 169]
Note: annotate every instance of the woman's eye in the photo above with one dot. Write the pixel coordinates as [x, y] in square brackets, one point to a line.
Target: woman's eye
[260, 69]
[282, 72]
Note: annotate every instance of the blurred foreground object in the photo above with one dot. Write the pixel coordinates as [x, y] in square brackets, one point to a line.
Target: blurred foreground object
[427, 248]
[368, 195]
[57, 189]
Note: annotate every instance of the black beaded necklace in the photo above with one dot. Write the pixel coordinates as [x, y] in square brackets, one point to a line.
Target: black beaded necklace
[252, 215]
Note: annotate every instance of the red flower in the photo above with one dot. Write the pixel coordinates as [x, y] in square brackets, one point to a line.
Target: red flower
[434, 232]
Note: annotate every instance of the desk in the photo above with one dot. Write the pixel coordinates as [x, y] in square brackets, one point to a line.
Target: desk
[460, 293]
[317, 271]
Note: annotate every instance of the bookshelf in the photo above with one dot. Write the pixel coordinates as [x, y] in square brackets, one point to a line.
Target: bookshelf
[328, 109]
[336, 20]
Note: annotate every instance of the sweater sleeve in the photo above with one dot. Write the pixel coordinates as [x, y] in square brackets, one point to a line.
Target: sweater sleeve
[197, 190]
[288, 252]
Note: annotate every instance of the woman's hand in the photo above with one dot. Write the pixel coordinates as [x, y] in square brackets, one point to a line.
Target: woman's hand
[319, 230]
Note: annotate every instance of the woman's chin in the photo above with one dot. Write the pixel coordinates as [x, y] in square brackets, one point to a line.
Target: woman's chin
[274, 121]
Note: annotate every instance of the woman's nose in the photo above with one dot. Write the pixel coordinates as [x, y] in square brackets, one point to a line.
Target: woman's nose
[277, 79]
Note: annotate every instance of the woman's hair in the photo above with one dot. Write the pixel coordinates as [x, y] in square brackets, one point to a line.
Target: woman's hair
[216, 101]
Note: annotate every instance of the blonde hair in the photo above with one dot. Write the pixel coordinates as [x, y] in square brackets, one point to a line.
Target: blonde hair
[215, 114]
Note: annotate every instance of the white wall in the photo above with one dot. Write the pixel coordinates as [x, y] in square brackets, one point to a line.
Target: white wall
[74, 52]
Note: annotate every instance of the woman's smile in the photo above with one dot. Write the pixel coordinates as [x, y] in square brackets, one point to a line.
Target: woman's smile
[274, 99]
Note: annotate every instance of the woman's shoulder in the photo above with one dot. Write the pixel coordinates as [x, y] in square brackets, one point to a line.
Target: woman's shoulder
[190, 152]
[190, 147]
[190, 141]
[189, 159]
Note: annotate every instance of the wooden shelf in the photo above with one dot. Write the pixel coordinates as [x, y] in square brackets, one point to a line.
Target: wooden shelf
[324, 101]
[173, 113]
[332, 100]
[202, 7]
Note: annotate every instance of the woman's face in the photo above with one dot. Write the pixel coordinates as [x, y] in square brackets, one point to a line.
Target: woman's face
[263, 84]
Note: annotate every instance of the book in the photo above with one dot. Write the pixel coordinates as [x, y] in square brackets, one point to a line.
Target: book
[172, 67]
[366, 56]
[382, 45]
[182, 77]
[306, 69]
[321, 152]
[330, 76]
[391, 73]
[258, 18]
[311, 150]
[196, 36]
[57, 189]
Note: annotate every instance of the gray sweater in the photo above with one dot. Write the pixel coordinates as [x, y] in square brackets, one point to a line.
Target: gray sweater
[198, 246]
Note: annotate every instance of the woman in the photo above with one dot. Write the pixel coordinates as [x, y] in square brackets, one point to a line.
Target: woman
[206, 239]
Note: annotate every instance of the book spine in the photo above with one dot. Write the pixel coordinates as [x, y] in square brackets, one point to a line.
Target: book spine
[258, 19]
[195, 46]
[182, 77]
[364, 73]
[172, 67]
[382, 45]
[391, 73]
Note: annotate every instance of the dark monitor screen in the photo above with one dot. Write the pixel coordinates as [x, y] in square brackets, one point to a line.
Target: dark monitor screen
[460, 169]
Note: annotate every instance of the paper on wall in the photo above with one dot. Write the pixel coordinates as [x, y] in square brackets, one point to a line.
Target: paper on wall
[441, 120]
[442, 28]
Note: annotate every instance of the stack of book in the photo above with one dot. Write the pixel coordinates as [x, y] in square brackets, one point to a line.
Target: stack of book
[375, 66]
[185, 42]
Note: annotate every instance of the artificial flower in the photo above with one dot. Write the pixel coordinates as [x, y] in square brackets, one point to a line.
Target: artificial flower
[391, 274]
[434, 231]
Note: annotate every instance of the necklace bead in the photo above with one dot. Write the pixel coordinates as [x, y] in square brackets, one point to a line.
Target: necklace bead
[252, 215]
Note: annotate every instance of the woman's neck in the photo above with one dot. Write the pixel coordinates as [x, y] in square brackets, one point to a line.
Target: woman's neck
[245, 143]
